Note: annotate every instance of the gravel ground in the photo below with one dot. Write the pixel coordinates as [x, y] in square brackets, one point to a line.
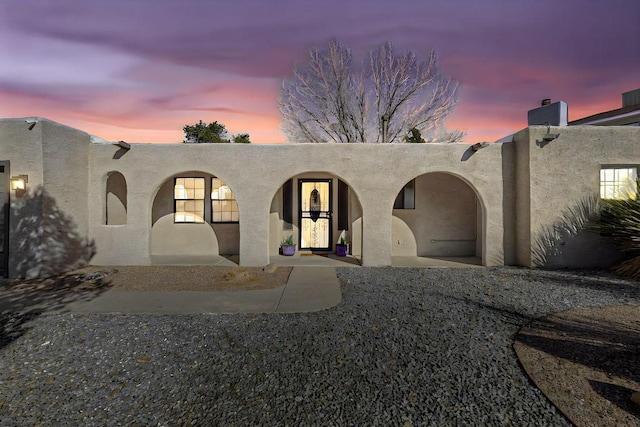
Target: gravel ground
[405, 347]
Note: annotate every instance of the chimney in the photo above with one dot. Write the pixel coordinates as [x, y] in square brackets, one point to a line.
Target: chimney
[549, 114]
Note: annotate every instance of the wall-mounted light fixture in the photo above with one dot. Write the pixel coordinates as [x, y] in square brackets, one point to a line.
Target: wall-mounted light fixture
[547, 137]
[19, 184]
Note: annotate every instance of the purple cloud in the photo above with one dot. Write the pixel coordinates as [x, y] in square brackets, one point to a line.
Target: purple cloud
[157, 57]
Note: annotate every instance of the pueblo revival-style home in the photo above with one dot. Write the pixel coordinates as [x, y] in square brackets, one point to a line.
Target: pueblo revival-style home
[69, 198]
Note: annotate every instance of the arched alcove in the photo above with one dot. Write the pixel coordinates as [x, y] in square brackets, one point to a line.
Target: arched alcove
[438, 215]
[315, 208]
[194, 217]
[116, 199]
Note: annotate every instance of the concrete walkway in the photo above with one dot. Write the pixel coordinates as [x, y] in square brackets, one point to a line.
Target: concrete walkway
[308, 289]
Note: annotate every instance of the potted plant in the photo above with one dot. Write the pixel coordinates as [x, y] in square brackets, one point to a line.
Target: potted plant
[342, 247]
[288, 247]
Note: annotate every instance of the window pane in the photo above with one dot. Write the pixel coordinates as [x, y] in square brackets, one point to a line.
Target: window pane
[222, 202]
[179, 192]
[189, 200]
[314, 234]
[406, 197]
[618, 183]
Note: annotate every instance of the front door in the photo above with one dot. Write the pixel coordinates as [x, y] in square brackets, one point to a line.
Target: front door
[315, 214]
[4, 218]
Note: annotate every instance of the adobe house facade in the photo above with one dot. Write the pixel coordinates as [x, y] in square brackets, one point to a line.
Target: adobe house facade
[88, 200]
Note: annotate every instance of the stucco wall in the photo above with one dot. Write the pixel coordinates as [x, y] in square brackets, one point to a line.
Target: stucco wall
[563, 174]
[375, 174]
[522, 188]
[66, 170]
[48, 224]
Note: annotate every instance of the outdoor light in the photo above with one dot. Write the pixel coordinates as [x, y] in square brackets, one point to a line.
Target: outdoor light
[19, 183]
[548, 137]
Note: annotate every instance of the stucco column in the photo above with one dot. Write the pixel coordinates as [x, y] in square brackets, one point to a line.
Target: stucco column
[376, 236]
[134, 238]
[254, 229]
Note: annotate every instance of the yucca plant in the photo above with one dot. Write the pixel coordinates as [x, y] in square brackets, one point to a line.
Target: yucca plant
[620, 221]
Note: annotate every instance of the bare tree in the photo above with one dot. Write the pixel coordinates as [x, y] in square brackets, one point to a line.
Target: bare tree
[332, 99]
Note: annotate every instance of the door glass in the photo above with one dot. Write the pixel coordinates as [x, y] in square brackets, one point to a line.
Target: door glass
[315, 223]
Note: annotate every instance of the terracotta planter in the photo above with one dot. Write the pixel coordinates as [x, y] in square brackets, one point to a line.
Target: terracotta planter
[288, 250]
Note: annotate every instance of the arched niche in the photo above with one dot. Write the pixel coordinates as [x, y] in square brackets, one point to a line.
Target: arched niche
[116, 199]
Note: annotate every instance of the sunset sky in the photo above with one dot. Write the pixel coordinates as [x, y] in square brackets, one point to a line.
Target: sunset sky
[139, 70]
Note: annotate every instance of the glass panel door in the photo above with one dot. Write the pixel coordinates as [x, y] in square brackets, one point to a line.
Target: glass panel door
[315, 214]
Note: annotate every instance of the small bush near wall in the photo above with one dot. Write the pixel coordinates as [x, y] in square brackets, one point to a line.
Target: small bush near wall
[620, 222]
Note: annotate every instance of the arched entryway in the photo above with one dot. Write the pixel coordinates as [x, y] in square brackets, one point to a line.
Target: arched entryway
[315, 209]
[438, 215]
[195, 220]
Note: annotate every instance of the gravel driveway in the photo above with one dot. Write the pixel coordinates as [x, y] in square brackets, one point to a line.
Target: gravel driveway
[405, 347]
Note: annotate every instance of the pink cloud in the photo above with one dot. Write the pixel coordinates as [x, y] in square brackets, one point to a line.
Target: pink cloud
[139, 70]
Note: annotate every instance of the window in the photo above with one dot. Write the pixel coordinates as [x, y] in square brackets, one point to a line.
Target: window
[406, 197]
[188, 195]
[224, 207]
[618, 182]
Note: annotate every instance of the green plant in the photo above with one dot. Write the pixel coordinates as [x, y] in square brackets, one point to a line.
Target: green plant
[620, 221]
[288, 241]
[342, 241]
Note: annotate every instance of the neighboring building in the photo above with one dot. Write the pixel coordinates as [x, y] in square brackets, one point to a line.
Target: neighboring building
[628, 115]
[502, 203]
